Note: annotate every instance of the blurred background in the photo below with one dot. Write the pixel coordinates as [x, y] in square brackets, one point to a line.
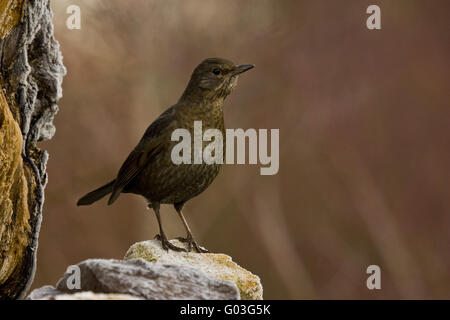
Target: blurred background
[364, 139]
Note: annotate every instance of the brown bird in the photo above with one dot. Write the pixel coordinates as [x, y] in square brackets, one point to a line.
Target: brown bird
[149, 170]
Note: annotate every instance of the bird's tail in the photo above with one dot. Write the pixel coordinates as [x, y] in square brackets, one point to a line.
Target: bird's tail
[97, 194]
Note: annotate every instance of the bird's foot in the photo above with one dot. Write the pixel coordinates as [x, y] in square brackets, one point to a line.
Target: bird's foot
[192, 244]
[166, 244]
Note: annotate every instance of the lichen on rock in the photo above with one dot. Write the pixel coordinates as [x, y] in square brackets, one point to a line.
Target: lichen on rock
[14, 226]
[217, 265]
[11, 11]
[138, 278]
[150, 272]
[31, 72]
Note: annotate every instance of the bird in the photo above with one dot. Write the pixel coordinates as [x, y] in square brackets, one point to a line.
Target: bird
[149, 171]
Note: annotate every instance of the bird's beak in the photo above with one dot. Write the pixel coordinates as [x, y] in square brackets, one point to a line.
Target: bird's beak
[242, 68]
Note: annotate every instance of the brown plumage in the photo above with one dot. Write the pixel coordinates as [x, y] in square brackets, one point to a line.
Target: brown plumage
[149, 170]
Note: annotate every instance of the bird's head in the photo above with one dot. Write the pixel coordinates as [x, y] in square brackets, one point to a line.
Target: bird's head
[215, 78]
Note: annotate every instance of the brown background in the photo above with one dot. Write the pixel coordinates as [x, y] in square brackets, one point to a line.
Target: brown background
[364, 139]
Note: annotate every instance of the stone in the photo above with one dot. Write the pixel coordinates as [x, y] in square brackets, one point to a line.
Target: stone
[44, 293]
[150, 272]
[217, 265]
[31, 76]
[140, 278]
[89, 295]
[51, 293]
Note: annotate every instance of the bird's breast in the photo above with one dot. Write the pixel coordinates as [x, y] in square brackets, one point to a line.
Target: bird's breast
[166, 182]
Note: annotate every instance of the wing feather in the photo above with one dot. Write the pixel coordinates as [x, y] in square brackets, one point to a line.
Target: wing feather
[153, 141]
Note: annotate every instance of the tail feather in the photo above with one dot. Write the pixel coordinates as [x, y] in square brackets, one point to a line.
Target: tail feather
[114, 196]
[97, 194]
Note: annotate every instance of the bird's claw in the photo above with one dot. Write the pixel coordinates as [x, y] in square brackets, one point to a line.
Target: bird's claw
[191, 243]
[166, 244]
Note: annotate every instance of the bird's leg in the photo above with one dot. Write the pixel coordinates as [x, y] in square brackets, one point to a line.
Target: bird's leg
[189, 238]
[166, 244]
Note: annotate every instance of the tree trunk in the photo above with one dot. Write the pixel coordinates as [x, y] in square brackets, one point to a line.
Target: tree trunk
[31, 76]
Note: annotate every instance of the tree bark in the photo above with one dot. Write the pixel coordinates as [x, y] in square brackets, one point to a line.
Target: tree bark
[31, 76]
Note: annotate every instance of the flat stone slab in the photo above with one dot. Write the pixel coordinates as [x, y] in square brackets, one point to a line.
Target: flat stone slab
[137, 278]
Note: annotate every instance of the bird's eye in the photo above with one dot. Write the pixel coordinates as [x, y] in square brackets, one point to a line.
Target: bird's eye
[216, 71]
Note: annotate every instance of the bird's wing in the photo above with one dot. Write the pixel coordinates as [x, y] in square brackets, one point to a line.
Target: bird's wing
[151, 144]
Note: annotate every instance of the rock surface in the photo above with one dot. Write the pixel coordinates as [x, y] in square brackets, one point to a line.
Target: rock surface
[31, 72]
[217, 265]
[50, 293]
[138, 278]
[150, 272]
